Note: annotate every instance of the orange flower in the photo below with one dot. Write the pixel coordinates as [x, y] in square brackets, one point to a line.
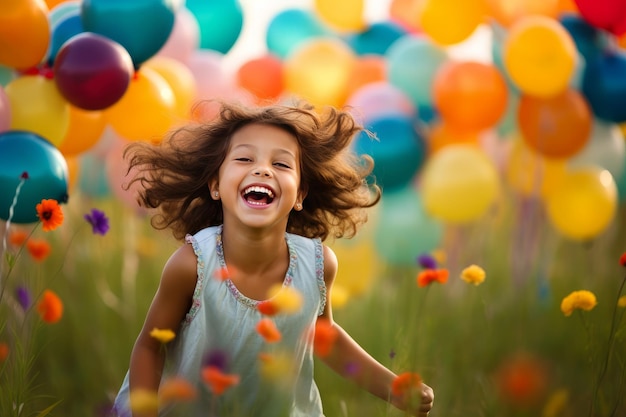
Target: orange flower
[268, 330]
[428, 276]
[267, 308]
[50, 214]
[39, 249]
[405, 383]
[17, 237]
[50, 307]
[622, 259]
[217, 380]
[522, 379]
[176, 389]
[221, 274]
[324, 337]
[4, 351]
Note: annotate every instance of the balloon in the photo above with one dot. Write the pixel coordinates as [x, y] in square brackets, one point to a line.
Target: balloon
[404, 230]
[180, 79]
[584, 204]
[346, 15]
[540, 56]
[141, 27]
[442, 134]
[449, 22]
[508, 121]
[379, 99]
[220, 23]
[184, 38]
[368, 69]
[84, 130]
[604, 86]
[406, 13]
[621, 185]
[509, 12]
[398, 150]
[604, 149]
[589, 41]
[5, 111]
[290, 28]
[68, 27]
[359, 262]
[24, 153]
[146, 111]
[93, 181]
[37, 106]
[263, 77]
[319, 70]
[609, 15]
[24, 33]
[92, 72]
[6, 75]
[558, 126]
[412, 63]
[470, 96]
[376, 38]
[60, 11]
[115, 168]
[458, 184]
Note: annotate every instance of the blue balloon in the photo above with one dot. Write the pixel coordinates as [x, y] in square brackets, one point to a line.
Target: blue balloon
[398, 149]
[604, 86]
[589, 40]
[289, 28]
[376, 39]
[220, 23]
[141, 26]
[27, 155]
[65, 29]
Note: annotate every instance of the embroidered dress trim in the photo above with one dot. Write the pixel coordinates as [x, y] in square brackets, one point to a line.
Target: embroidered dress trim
[197, 292]
[319, 272]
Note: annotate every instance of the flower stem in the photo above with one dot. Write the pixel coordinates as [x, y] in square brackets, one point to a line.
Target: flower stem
[6, 229]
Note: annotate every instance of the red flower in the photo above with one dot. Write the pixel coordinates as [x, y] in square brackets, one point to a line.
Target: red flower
[622, 259]
[268, 330]
[404, 383]
[39, 249]
[17, 237]
[428, 276]
[267, 308]
[324, 337]
[50, 307]
[4, 351]
[217, 380]
[50, 214]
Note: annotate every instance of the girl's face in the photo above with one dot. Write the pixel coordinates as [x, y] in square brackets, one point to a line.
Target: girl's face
[259, 180]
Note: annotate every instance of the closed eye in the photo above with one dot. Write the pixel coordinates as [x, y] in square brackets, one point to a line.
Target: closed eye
[282, 165]
[243, 159]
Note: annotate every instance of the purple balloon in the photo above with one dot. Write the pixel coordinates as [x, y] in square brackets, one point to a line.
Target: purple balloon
[92, 72]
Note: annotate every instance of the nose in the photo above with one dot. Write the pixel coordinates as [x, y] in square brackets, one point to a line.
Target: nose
[262, 172]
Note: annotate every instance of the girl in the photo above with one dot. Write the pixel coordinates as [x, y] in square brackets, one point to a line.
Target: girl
[253, 193]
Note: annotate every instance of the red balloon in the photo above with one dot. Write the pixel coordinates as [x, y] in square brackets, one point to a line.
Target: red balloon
[609, 15]
[92, 72]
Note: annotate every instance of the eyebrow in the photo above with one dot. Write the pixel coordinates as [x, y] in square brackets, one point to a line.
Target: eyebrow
[278, 150]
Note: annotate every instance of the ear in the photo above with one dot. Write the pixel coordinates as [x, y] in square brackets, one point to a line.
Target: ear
[302, 193]
[214, 189]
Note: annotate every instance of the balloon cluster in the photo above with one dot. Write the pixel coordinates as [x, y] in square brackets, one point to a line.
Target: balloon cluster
[542, 116]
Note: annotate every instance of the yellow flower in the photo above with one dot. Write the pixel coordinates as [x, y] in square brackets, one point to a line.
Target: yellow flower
[622, 301]
[143, 401]
[473, 274]
[163, 335]
[583, 300]
[556, 403]
[286, 299]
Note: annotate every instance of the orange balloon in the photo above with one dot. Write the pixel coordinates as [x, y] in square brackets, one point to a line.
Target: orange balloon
[470, 96]
[509, 11]
[556, 127]
[406, 13]
[84, 131]
[442, 135]
[73, 170]
[567, 6]
[367, 69]
[24, 33]
[263, 77]
[450, 22]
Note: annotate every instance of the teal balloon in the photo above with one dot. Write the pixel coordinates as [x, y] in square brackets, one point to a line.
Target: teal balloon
[6, 75]
[27, 155]
[620, 181]
[398, 149]
[93, 181]
[141, 26]
[376, 39]
[290, 28]
[412, 62]
[65, 29]
[220, 23]
[404, 230]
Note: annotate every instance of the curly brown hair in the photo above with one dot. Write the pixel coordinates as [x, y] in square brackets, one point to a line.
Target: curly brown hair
[174, 175]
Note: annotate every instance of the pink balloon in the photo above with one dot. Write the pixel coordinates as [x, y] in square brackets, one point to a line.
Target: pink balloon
[184, 38]
[379, 98]
[115, 168]
[5, 111]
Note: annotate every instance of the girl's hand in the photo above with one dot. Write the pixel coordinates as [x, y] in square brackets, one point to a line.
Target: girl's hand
[418, 401]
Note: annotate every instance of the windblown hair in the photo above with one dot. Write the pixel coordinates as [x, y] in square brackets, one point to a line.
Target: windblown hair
[174, 175]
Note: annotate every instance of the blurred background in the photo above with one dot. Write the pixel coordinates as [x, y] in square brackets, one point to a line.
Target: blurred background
[500, 143]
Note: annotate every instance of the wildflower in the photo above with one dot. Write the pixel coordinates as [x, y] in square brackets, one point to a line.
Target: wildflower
[267, 329]
[428, 276]
[622, 259]
[473, 274]
[99, 222]
[23, 297]
[324, 337]
[176, 389]
[17, 237]
[24, 175]
[556, 404]
[50, 214]
[39, 249]
[143, 401]
[221, 274]
[4, 351]
[522, 379]
[267, 308]
[277, 367]
[621, 302]
[405, 383]
[583, 300]
[427, 261]
[217, 380]
[287, 300]
[50, 307]
[163, 335]
[217, 358]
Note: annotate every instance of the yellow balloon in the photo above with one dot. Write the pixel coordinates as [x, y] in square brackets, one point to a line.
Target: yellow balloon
[458, 184]
[180, 79]
[358, 265]
[509, 11]
[24, 33]
[37, 106]
[530, 173]
[84, 131]
[584, 204]
[540, 56]
[146, 111]
[347, 15]
[449, 22]
[319, 71]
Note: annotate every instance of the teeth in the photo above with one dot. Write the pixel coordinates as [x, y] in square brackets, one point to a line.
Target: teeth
[258, 189]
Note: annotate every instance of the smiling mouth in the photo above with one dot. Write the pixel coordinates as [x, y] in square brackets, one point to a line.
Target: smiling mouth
[257, 195]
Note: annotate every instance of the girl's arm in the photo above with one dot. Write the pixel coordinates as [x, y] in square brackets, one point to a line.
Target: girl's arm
[170, 304]
[366, 371]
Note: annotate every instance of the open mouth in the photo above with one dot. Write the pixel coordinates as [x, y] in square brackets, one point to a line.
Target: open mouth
[257, 195]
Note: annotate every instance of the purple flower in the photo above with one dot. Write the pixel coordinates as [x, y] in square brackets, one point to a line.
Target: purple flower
[217, 358]
[426, 261]
[99, 222]
[23, 297]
